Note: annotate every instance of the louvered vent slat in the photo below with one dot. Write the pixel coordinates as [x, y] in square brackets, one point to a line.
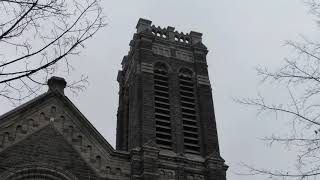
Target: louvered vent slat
[189, 118]
[162, 110]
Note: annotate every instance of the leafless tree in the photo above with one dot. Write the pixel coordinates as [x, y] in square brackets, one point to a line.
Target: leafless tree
[301, 77]
[37, 38]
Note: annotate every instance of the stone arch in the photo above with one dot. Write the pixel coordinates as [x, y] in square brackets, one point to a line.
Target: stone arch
[162, 66]
[38, 173]
[189, 111]
[162, 111]
[183, 71]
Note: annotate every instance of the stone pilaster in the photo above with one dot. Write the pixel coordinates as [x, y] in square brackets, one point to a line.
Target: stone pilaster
[216, 168]
[150, 160]
[136, 165]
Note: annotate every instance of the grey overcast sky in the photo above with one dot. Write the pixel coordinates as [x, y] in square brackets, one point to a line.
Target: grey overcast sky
[240, 35]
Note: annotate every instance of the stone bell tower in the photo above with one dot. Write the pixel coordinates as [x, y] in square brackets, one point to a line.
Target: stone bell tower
[165, 97]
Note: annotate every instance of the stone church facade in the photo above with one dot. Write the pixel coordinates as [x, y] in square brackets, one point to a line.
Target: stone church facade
[166, 128]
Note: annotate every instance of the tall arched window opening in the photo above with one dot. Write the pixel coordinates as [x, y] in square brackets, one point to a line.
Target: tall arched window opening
[162, 107]
[188, 112]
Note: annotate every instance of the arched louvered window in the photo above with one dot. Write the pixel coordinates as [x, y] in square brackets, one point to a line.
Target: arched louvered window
[188, 111]
[162, 107]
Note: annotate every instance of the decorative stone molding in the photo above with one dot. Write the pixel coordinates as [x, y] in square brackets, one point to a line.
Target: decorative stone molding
[167, 174]
[146, 67]
[99, 159]
[161, 50]
[94, 155]
[16, 131]
[165, 51]
[204, 80]
[184, 56]
[195, 177]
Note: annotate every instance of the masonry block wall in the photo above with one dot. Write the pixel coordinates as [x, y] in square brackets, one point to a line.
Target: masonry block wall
[172, 108]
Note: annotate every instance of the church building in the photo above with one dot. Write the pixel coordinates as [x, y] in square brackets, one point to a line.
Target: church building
[166, 127]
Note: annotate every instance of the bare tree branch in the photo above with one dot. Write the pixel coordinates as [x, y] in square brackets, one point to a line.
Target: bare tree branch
[300, 75]
[36, 35]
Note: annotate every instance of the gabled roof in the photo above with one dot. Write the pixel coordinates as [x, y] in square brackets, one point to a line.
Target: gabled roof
[56, 108]
[66, 101]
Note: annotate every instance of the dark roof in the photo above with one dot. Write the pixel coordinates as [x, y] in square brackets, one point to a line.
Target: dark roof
[66, 101]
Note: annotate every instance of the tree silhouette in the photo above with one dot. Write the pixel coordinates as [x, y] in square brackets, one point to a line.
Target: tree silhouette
[36, 39]
[301, 77]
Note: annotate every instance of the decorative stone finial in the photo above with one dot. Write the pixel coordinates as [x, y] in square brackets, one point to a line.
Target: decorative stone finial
[143, 24]
[196, 37]
[170, 28]
[57, 83]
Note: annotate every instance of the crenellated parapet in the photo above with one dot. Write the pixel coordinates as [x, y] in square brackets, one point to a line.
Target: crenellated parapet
[169, 33]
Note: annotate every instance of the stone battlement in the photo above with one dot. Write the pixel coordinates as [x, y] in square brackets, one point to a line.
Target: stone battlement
[168, 33]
